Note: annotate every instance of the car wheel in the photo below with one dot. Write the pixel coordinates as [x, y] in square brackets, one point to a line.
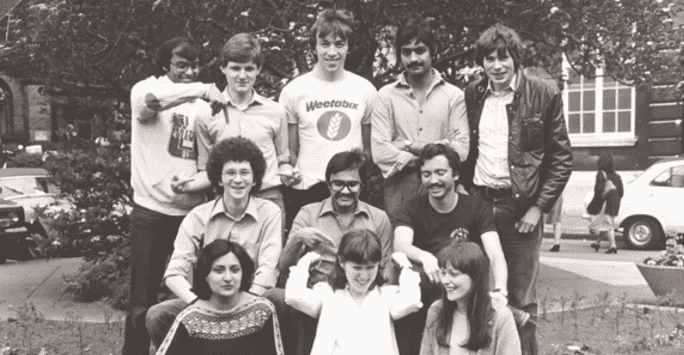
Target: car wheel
[643, 233]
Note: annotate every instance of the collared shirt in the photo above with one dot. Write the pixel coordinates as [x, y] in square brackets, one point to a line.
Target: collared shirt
[263, 121]
[322, 216]
[398, 116]
[491, 168]
[257, 230]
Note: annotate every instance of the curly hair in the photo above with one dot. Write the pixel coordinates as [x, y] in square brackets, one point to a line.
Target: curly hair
[181, 46]
[334, 22]
[499, 38]
[236, 149]
[209, 255]
[432, 150]
[241, 48]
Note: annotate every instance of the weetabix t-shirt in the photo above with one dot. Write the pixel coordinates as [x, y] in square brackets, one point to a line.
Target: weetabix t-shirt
[329, 117]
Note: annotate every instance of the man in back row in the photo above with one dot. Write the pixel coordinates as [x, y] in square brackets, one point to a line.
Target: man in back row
[420, 108]
[520, 159]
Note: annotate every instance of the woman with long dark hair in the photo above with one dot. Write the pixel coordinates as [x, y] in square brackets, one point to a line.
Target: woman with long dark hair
[464, 321]
[226, 319]
[605, 205]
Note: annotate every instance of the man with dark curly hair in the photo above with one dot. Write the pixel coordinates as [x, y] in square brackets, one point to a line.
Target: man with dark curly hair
[235, 169]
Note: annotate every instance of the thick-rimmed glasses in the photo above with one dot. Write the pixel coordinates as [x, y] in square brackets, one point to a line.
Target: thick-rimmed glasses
[352, 186]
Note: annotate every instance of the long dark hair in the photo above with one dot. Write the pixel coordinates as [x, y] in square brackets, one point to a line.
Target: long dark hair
[468, 258]
[360, 246]
[209, 255]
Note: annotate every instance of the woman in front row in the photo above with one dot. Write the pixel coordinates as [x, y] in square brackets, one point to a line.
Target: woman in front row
[355, 315]
[226, 319]
[464, 321]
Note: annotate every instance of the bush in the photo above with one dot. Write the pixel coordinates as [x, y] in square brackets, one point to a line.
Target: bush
[25, 160]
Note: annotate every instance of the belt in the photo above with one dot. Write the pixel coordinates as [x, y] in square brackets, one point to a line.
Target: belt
[494, 194]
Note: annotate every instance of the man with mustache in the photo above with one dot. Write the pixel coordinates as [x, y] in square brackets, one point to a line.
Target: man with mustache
[419, 108]
[520, 159]
[426, 224]
[328, 109]
[319, 227]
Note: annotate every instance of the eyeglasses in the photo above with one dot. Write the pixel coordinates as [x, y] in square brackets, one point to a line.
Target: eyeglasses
[352, 186]
[232, 174]
[183, 66]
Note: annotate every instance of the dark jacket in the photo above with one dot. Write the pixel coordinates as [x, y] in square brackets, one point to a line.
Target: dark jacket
[539, 151]
[613, 198]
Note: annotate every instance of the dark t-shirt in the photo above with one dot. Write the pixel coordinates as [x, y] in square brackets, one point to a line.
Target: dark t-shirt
[433, 231]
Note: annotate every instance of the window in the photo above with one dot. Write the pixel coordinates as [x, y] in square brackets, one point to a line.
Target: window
[672, 177]
[599, 111]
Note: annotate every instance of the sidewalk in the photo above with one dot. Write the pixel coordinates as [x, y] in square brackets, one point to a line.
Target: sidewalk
[575, 268]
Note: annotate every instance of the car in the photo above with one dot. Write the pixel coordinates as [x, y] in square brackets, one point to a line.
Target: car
[651, 205]
[21, 190]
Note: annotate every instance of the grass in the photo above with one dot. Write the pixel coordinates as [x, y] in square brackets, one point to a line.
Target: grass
[610, 326]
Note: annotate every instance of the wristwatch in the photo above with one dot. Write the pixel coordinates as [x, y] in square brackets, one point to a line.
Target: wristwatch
[407, 144]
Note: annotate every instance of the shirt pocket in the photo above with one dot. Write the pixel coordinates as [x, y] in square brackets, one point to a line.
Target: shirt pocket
[532, 133]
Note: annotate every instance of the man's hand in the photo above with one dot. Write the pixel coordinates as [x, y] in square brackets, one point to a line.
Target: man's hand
[152, 102]
[216, 100]
[178, 184]
[430, 266]
[528, 223]
[290, 176]
[308, 259]
[401, 259]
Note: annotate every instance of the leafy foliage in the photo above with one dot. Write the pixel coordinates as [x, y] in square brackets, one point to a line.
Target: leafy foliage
[93, 51]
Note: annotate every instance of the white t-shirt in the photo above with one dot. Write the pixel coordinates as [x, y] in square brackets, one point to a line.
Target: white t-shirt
[164, 145]
[329, 116]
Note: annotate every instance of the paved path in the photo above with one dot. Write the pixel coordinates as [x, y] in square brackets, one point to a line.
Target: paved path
[576, 268]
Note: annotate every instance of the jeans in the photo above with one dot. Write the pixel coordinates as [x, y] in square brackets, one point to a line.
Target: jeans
[152, 237]
[160, 318]
[522, 258]
[297, 329]
[398, 189]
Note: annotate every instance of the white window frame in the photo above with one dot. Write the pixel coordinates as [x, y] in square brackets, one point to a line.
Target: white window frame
[599, 138]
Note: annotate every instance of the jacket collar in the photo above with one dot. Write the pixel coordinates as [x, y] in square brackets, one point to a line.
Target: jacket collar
[220, 208]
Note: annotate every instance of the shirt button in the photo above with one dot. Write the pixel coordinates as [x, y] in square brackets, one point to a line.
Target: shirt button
[512, 167]
[421, 111]
[420, 129]
[517, 195]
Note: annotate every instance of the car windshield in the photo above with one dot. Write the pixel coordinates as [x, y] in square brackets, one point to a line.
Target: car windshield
[25, 185]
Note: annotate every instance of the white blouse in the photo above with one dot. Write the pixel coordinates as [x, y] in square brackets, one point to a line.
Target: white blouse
[345, 327]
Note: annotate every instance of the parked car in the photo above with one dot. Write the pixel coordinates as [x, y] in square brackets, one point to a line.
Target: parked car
[22, 189]
[652, 205]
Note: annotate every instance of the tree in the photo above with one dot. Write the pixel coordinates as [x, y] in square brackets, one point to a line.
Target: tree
[95, 50]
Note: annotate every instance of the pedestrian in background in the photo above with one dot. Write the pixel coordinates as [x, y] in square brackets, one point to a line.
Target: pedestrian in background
[608, 192]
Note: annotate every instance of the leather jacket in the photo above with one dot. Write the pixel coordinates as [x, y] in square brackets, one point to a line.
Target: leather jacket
[539, 152]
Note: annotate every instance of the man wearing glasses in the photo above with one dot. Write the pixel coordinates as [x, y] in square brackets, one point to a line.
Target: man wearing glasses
[319, 227]
[236, 169]
[163, 153]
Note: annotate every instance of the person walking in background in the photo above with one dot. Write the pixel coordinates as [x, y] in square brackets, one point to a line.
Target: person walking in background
[226, 318]
[519, 162]
[605, 205]
[466, 320]
[554, 218]
[328, 108]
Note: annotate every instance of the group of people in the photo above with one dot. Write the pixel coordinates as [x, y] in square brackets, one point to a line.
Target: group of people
[449, 266]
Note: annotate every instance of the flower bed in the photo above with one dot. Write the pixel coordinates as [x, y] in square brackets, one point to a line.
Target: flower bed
[665, 273]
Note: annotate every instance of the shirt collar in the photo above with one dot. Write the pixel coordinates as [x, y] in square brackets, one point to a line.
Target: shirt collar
[511, 87]
[256, 98]
[436, 79]
[327, 207]
[220, 208]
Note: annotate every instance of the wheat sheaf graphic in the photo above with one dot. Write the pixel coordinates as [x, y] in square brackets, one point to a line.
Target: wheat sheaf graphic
[334, 126]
